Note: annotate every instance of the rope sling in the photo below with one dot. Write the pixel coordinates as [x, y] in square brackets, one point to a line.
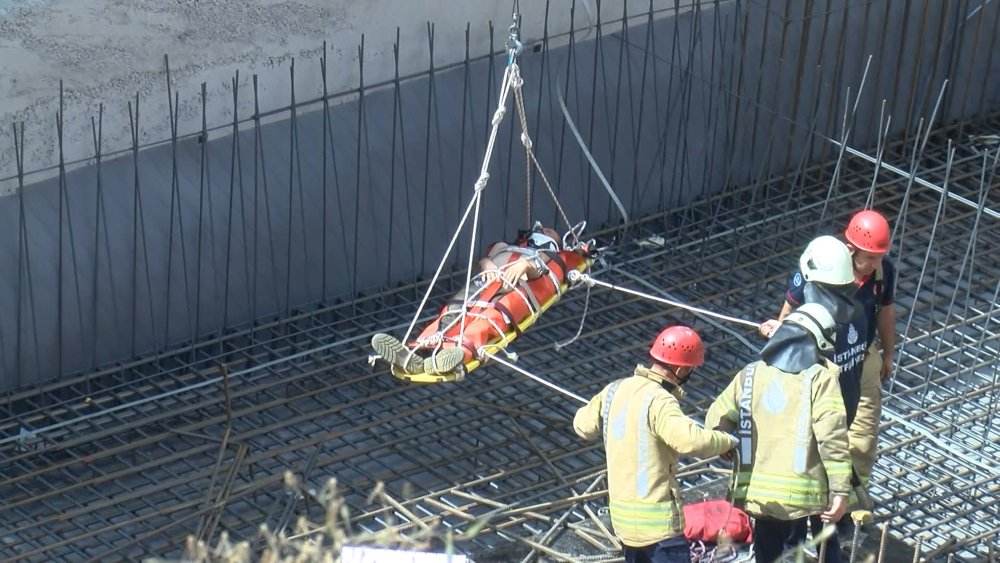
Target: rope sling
[512, 83]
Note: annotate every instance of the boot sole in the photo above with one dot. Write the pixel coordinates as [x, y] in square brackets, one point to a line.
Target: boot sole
[395, 353]
[444, 361]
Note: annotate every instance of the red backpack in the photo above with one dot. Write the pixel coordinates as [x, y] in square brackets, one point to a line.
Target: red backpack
[703, 521]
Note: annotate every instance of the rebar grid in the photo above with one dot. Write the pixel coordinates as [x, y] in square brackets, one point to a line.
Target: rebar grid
[194, 439]
[137, 480]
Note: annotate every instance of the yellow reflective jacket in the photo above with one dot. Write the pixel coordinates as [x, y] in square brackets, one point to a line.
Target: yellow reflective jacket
[798, 441]
[644, 433]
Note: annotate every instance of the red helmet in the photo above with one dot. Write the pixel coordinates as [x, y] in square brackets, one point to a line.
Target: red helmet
[869, 231]
[678, 346]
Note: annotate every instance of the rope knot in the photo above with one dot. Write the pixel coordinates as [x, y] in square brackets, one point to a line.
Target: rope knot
[498, 115]
[526, 140]
[481, 182]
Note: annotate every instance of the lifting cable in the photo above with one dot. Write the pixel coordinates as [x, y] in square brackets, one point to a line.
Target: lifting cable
[530, 375]
[587, 279]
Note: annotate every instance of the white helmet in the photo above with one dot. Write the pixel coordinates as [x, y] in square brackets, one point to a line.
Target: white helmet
[827, 260]
[818, 321]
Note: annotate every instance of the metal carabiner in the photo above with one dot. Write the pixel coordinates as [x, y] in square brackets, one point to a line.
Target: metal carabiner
[513, 43]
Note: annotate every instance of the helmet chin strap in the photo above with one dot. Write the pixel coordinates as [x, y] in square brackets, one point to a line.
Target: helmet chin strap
[668, 384]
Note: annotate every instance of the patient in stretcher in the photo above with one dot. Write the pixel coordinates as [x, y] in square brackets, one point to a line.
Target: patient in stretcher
[509, 265]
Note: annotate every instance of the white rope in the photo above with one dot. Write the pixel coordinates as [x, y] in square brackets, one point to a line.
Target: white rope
[437, 273]
[530, 375]
[585, 278]
[472, 258]
[530, 156]
[484, 177]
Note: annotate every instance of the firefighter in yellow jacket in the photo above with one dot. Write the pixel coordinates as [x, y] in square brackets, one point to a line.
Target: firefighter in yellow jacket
[789, 416]
[644, 433]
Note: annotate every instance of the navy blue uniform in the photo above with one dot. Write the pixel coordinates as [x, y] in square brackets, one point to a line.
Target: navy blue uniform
[854, 338]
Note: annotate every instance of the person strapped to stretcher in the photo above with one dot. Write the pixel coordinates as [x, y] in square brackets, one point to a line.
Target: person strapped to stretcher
[453, 339]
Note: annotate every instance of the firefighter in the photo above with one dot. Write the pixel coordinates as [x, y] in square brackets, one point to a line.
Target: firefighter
[863, 369]
[644, 433]
[794, 465]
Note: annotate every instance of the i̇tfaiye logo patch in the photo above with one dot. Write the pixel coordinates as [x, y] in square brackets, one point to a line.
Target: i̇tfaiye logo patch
[852, 334]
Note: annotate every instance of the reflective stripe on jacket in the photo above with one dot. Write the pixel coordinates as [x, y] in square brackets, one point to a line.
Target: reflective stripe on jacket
[799, 440]
[644, 433]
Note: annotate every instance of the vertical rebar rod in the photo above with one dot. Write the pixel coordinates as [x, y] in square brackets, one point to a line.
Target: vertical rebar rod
[460, 179]
[173, 107]
[260, 164]
[908, 114]
[544, 79]
[97, 133]
[800, 61]
[938, 51]
[637, 121]
[24, 282]
[614, 93]
[989, 59]
[392, 156]
[291, 191]
[923, 271]
[139, 232]
[202, 190]
[234, 169]
[881, 139]
[335, 173]
[324, 234]
[59, 264]
[560, 155]
[598, 41]
[971, 59]
[847, 127]
[357, 166]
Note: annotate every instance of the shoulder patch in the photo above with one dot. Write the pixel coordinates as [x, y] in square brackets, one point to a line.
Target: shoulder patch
[774, 398]
[797, 279]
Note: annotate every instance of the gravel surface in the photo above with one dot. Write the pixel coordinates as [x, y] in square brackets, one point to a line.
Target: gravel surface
[107, 51]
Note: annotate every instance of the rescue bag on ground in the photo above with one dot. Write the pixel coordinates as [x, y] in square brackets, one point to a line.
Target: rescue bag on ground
[703, 521]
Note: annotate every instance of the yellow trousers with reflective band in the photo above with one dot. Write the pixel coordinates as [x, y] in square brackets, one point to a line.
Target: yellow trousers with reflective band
[863, 433]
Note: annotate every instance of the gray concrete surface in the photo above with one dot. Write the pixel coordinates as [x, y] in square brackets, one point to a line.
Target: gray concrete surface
[106, 51]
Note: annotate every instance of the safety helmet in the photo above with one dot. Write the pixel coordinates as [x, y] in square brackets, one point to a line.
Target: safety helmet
[826, 260]
[818, 321]
[869, 231]
[678, 346]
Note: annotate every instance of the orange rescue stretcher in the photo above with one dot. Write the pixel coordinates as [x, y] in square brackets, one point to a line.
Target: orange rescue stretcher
[491, 322]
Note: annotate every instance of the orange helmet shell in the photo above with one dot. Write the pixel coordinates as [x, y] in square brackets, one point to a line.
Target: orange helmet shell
[678, 346]
[869, 231]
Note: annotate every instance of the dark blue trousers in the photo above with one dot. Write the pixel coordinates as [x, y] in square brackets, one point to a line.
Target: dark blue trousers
[772, 537]
[670, 550]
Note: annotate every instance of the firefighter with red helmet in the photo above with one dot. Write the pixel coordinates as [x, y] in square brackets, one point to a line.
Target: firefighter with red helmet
[862, 370]
[645, 432]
